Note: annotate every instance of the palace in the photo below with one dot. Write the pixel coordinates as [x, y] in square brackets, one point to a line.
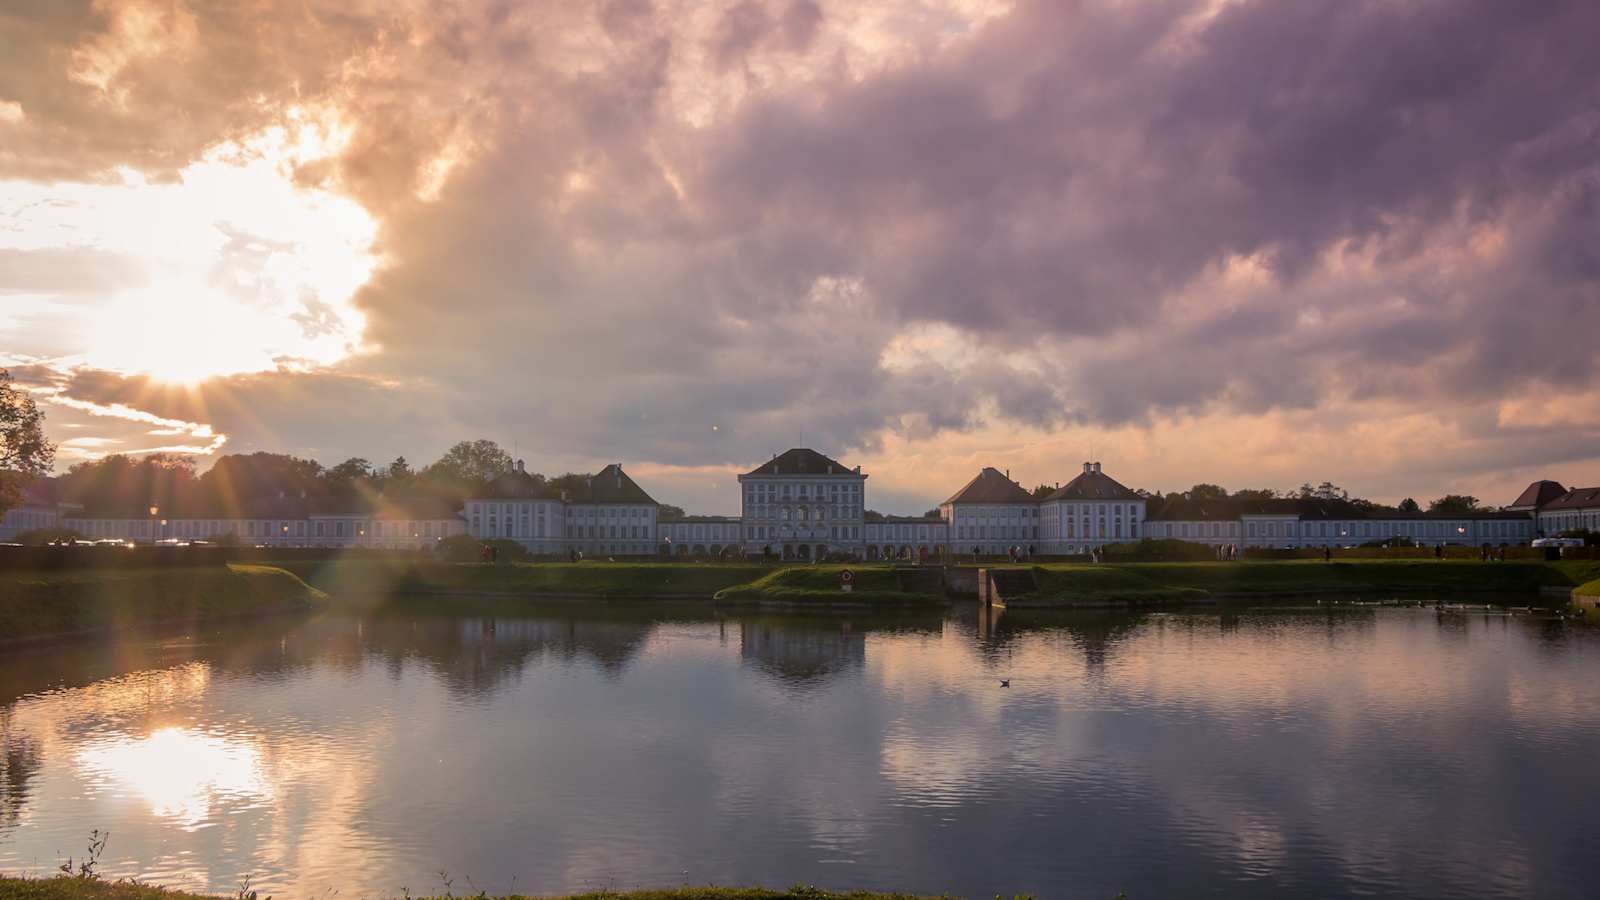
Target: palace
[804, 505]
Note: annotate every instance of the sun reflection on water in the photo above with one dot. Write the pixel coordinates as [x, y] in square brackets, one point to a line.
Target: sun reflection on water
[182, 773]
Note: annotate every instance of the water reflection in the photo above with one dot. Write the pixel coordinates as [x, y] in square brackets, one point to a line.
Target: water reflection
[1251, 752]
[19, 762]
[182, 773]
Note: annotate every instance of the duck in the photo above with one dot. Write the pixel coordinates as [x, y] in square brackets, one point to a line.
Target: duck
[1005, 682]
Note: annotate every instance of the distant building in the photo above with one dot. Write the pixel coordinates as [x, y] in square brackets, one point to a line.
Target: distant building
[991, 513]
[1315, 522]
[712, 536]
[1572, 510]
[906, 537]
[609, 515]
[39, 510]
[282, 521]
[803, 505]
[1088, 512]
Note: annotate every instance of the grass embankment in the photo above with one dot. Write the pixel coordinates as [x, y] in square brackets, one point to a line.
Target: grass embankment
[48, 604]
[1069, 584]
[819, 585]
[352, 576]
[92, 889]
[1588, 589]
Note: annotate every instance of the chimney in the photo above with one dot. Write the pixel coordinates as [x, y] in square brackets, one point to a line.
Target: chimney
[1097, 468]
[1088, 468]
[618, 473]
[1008, 474]
[522, 466]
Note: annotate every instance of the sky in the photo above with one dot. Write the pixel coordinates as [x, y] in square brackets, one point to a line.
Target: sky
[1228, 241]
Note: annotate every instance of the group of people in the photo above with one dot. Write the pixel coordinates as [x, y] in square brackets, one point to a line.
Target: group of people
[1014, 553]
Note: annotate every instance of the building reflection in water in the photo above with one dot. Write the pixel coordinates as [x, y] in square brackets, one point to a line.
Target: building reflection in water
[19, 763]
[802, 654]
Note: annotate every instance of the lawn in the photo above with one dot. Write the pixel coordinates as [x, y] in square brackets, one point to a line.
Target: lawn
[42, 604]
[95, 889]
[1069, 582]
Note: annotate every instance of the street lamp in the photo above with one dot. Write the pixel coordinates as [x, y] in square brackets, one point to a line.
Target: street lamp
[154, 511]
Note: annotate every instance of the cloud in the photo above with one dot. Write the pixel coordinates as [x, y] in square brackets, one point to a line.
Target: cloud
[605, 228]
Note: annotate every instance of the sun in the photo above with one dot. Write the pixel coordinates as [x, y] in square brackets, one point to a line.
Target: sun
[234, 267]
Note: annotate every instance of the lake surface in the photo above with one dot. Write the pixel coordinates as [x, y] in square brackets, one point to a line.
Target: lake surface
[1312, 752]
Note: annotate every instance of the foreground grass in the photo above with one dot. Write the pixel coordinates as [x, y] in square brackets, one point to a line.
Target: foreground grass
[1588, 589]
[45, 604]
[817, 585]
[1069, 583]
[93, 889]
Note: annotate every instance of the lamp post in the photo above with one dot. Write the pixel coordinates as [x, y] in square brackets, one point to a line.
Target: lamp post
[154, 511]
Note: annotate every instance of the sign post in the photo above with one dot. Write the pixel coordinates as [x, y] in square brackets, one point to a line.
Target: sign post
[846, 579]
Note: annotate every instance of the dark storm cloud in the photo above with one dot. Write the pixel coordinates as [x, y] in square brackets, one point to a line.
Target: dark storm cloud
[683, 245]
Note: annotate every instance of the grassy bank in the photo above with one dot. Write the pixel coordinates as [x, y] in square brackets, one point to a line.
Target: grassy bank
[1588, 589]
[92, 889]
[819, 585]
[46, 604]
[355, 575]
[1067, 584]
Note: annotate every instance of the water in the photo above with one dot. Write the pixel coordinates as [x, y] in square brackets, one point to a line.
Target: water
[1240, 753]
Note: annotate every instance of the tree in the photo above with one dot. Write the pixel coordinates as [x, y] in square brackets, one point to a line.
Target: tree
[1208, 492]
[240, 478]
[1330, 491]
[471, 464]
[126, 485]
[399, 471]
[24, 452]
[1255, 495]
[1042, 491]
[1452, 504]
[1409, 505]
[666, 512]
[348, 477]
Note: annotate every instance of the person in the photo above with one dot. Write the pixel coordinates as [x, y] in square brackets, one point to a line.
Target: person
[974, 552]
[1327, 554]
[1438, 551]
[1030, 551]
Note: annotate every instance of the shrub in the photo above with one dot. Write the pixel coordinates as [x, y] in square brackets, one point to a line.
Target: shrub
[466, 548]
[1162, 550]
[42, 536]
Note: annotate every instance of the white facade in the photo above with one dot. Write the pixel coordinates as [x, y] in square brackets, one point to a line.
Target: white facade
[904, 537]
[1289, 530]
[334, 530]
[1576, 509]
[1091, 511]
[612, 517]
[701, 536]
[803, 505]
[28, 517]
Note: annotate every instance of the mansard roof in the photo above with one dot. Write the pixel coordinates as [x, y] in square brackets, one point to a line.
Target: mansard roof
[612, 485]
[1094, 485]
[802, 461]
[1538, 494]
[1577, 498]
[990, 486]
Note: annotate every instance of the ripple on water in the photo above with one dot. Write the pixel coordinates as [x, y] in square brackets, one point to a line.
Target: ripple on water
[1308, 753]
